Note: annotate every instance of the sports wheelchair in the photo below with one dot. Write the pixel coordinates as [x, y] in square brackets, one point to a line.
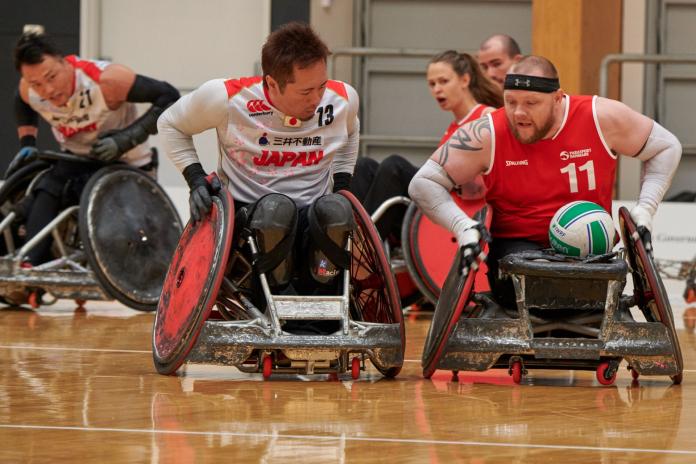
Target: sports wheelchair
[427, 251]
[569, 315]
[206, 316]
[116, 244]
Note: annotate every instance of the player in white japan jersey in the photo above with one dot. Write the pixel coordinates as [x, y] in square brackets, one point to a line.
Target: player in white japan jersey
[90, 106]
[284, 140]
[263, 150]
[77, 124]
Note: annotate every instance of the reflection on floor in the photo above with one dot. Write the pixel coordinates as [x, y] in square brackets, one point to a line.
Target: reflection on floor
[80, 385]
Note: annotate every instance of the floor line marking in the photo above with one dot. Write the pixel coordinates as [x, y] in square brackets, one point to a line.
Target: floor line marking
[349, 438]
[60, 348]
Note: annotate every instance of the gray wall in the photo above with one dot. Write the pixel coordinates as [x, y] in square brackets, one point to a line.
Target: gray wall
[676, 84]
[62, 21]
[183, 42]
[396, 100]
[188, 42]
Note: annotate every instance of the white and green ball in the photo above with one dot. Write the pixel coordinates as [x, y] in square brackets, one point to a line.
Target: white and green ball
[582, 228]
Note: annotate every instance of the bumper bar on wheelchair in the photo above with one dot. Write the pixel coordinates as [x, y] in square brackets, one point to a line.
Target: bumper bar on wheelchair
[478, 345]
[232, 342]
[71, 284]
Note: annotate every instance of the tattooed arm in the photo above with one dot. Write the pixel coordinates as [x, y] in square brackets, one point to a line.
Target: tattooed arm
[465, 155]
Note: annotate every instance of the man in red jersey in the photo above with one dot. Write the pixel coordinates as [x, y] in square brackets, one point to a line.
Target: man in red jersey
[543, 149]
[496, 55]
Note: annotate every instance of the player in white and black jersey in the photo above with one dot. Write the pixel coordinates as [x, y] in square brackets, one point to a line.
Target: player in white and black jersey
[286, 141]
[90, 106]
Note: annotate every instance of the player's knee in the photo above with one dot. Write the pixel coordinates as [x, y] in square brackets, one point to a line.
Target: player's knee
[330, 223]
[273, 223]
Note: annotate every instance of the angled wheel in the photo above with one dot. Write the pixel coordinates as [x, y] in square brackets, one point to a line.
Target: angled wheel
[648, 290]
[374, 297]
[355, 368]
[129, 228]
[516, 372]
[192, 283]
[429, 249]
[456, 294]
[267, 367]
[606, 375]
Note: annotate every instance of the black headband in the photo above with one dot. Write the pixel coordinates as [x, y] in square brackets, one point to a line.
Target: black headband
[531, 83]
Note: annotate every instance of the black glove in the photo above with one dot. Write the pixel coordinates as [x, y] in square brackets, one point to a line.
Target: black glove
[341, 181]
[472, 253]
[642, 218]
[200, 197]
[111, 145]
[24, 156]
[646, 237]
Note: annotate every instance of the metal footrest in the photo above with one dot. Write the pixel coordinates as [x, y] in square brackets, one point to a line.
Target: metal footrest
[232, 342]
[309, 307]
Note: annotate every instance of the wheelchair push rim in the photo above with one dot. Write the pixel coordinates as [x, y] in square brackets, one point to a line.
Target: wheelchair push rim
[429, 249]
[456, 294]
[374, 296]
[648, 290]
[192, 284]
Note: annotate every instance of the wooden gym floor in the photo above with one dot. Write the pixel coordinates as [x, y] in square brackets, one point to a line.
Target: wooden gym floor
[80, 386]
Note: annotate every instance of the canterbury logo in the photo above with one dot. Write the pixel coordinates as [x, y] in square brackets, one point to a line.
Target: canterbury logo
[257, 106]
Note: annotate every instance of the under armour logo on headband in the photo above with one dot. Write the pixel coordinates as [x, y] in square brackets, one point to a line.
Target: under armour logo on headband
[525, 83]
[531, 83]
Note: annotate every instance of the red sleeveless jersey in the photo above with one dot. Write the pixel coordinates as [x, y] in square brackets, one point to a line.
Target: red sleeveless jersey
[528, 183]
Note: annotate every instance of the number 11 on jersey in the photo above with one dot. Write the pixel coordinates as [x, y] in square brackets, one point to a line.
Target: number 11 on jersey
[572, 172]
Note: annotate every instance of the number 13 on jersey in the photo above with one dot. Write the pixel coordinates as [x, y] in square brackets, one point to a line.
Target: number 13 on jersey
[572, 172]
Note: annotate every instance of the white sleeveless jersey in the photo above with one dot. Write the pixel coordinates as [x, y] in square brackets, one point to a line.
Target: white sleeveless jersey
[77, 124]
[264, 151]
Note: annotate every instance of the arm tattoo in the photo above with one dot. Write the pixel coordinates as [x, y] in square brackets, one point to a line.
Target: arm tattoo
[461, 140]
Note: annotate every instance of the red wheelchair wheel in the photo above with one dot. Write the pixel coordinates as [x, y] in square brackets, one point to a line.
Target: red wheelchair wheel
[355, 368]
[604, 374]
[374, 297]
[192, 284]
[648, 290]
[429, 249]
[455, 296]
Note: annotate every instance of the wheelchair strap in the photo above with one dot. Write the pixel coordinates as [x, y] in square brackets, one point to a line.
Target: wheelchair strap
[337, 255]
[264, 262]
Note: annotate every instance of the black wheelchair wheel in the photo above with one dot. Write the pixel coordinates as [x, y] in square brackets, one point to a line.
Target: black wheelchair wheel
[129, 229]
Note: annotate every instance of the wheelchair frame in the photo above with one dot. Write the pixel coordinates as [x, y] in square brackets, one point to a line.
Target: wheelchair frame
[460, 340]
[255, 341]
[71, 274]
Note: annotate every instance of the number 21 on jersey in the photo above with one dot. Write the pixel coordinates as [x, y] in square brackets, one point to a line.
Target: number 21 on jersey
[572, 172]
